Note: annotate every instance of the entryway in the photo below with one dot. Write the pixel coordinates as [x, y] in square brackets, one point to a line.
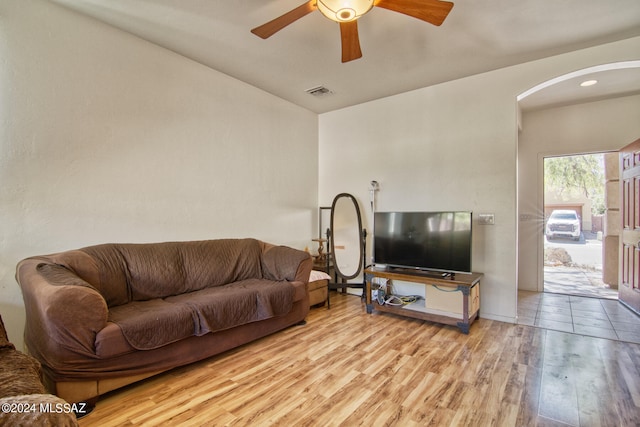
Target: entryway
[576, 298]
[558, 131]
[574, 206]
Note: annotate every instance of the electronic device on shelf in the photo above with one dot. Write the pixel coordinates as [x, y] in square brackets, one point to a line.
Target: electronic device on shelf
[424, 241]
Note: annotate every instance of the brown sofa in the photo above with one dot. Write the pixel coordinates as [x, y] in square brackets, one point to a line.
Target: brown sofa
[23, 397]
[104, 316]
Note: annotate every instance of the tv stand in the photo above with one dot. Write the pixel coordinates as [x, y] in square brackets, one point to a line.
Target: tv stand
[452, 300]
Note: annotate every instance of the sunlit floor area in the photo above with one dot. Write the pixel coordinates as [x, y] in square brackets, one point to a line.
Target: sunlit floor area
[595, 317]
[577, 281]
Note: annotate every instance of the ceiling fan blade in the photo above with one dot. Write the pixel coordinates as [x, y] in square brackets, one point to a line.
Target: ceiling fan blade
[431, 11]
[270, 28]
[350, 41]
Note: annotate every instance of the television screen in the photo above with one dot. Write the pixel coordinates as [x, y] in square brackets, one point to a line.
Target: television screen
[439, 241]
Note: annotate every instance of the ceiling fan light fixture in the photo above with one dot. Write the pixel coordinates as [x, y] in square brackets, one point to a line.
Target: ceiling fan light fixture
[344, 10]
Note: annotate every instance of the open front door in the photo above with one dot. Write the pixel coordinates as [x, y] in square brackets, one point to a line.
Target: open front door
[629, 287]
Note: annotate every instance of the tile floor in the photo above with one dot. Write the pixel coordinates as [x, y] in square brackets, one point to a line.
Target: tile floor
[595, 317]
[577, 281]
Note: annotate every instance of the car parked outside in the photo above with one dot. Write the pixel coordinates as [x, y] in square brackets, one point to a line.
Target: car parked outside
[563, 223]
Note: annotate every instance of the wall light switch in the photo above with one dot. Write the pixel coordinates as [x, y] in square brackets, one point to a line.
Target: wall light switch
[486, 219]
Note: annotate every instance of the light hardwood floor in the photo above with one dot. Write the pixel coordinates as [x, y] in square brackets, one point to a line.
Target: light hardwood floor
[345, 367]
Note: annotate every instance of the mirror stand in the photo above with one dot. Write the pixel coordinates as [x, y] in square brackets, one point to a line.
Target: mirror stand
[347, 244]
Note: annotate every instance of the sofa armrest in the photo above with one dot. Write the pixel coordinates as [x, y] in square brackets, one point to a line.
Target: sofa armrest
[285, 263]
[64, 313]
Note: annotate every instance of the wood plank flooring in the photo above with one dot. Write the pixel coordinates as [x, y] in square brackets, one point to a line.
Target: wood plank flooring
[348, 368]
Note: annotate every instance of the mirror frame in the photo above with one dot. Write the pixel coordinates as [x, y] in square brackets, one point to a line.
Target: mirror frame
[360, 237]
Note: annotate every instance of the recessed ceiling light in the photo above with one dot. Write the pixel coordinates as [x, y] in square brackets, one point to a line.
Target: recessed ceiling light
[588, 83]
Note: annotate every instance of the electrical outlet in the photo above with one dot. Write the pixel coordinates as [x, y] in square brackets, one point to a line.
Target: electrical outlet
[486, 219]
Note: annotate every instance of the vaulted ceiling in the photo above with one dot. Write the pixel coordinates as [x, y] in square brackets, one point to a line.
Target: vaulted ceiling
[400, 53]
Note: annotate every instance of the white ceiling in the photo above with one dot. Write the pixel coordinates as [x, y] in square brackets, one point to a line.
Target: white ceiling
[400, 53]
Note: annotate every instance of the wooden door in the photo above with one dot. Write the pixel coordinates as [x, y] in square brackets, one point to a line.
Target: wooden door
[629, 287]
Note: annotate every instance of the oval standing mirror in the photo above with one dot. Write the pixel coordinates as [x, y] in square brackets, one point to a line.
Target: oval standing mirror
[347, 243]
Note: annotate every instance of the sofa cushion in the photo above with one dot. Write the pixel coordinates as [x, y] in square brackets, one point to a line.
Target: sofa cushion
[223, 307]
[147, 325]
[110, 341]
[162, 270]
[144, 271]
[151, 324]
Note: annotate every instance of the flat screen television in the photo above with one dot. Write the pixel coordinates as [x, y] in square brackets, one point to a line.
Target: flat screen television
[433, 241]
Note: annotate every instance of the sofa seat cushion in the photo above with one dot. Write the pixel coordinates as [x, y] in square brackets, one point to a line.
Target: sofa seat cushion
[147, 325]
[246, 301]
[154, 323]
[111, 342]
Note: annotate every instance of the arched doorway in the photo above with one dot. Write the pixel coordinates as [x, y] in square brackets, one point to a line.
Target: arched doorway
[560, 129]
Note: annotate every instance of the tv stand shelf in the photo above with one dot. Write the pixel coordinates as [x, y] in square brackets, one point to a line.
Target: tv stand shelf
[452, 300]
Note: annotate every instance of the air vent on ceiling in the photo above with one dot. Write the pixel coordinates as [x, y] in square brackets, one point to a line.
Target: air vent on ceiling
[319, 91]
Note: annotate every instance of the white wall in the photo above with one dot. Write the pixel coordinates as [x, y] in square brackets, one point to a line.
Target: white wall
[583, 128]
[432, 149]
[105, 137]
[450, 146]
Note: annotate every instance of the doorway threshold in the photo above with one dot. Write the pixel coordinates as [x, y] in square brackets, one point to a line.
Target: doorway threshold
[577, 281]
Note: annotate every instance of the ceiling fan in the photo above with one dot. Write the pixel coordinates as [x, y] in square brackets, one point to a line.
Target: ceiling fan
[347, 12]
